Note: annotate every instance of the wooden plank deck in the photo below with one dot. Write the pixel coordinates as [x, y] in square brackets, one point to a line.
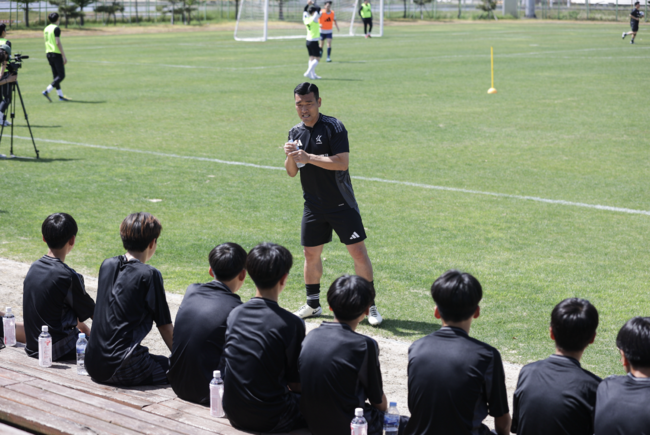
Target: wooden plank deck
[55, 400]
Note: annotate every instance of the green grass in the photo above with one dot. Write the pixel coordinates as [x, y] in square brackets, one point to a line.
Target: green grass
[569, 122]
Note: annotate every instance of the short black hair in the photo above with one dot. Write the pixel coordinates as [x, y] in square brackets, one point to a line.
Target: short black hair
[456, 295]
[636, 3]
[58, 229]
[634, 340]
[267, 263]
[574, 322]
[329, 3]
[138, 230]
[53, 17]
[227, 261]
[349, 296]
[3, 27]
[313, 8]
[306, 88]
[3, 55]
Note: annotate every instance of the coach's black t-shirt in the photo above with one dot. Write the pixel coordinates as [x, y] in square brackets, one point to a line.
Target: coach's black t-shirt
[54, 295]
[199, 338]
[261, 357]
[454, 382]
[339, 370]
[554, 396]
[324, 191]
[130, 297]
[623, 406]
[635, 13]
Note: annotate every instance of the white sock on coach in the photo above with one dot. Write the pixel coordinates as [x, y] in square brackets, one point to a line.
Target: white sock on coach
[60, 92]
[49, 88]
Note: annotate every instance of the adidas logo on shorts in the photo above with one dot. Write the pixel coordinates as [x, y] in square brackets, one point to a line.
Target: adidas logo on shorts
[354, 236]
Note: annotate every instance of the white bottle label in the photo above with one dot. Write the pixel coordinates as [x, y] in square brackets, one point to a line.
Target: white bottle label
[359, 429]
[45, 352]
[216, 401]
[9, 326]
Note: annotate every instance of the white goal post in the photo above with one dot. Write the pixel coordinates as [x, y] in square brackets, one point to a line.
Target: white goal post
[261, 20]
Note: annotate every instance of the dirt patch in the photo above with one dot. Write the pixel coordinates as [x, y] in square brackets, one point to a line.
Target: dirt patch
[393, 353]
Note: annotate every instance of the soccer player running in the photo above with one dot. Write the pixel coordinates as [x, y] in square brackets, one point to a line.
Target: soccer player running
[318, 148]
[327, 18]
[635, 18]
[365, 12]
[55, 56]
[310, 18]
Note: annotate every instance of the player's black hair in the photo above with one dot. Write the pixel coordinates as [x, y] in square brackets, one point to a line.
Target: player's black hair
[267, 263]
[574, 322]
[636, 3]
[138, 230]
[456, 295]
[306, 88]
[53, 17]
[313, 8]
[634, 340]
[349, 296]
[58, 228]
[227, 261]
[328, 2]
[3, 56]
[3, 28]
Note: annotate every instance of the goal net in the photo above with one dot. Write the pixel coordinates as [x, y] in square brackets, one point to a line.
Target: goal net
[259, 20]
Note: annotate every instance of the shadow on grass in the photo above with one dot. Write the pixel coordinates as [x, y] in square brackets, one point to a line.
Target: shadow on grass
[37, 126]
[409, 328]
[4, 212]
[35, 160]
[86, 102]
[342, 80]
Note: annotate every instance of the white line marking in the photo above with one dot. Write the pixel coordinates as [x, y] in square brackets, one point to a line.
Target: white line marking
[357, 177]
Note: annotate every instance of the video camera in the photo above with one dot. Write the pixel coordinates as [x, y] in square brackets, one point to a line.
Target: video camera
[13, 65]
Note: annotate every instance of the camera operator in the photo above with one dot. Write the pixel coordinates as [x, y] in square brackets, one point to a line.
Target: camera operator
[5, 90]
[5, 79]
[55, 56]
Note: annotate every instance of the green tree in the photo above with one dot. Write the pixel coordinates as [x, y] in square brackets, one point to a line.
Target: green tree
[65, 10]
[110, 9]
[25, 8]
[81, 4]
[189, 6]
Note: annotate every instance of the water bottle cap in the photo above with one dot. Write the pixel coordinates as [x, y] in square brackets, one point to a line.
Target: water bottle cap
[217, 374]
[8, 309]
[44, 328]
[392, 404]
[82, 335]
[358, 412]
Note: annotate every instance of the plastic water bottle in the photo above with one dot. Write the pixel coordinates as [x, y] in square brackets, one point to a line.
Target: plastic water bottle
[81, 354]
[391, 420]
[359, 425]
[216, 395]
[299, 146]
[44, 348]
[9, 325]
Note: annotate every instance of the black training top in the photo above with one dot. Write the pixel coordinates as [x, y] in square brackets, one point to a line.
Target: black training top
[454, 382]
[54, 295]
[199, 337]
[635, 13]
[130, 297]
[554, 396]
[324, 191]
[339, 370]
[623, 406]
[261, 357]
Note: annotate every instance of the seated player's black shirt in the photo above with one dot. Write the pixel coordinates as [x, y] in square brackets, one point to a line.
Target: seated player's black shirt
[339, 370]
[54, 295]
[261, 357]
[199, 338]
[324, 191]
[130, 297]
[554, 396]
[454, 382]
[623, 406]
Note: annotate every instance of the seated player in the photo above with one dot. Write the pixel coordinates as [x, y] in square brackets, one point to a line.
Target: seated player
[130, 297]
[556, 395]
[262, 349]
[339, 369]
[54, 294]
[200, 329]
[454, 380]
[622, 401]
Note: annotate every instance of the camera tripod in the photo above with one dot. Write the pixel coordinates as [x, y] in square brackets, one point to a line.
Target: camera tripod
[12, 109]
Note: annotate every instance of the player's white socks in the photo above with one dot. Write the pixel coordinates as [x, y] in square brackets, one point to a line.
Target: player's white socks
[49, 88]
[60, 92]
[312, 66]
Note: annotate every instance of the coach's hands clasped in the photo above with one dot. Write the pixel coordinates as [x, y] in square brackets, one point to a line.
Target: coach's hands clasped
[298, 155]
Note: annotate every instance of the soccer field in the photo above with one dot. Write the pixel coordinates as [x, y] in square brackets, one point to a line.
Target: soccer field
[446, 175]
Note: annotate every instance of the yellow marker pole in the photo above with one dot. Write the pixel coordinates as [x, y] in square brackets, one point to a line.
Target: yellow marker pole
[492, 90]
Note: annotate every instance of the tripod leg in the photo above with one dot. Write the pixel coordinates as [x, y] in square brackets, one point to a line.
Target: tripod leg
[26, 118]
[12, 107]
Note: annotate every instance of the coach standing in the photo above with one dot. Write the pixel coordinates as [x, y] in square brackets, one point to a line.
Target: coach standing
[318, 147]
[55, 56]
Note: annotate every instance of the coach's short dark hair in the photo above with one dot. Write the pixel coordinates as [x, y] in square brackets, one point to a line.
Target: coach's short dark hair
[456, 295]
[267, 263]
[634, 340]
[636, 3]
[574, 322]
[138, 230]
[306, 88]
[53, 17]
[227, 261]
[349, 296]
[3, 27]
[58, 229]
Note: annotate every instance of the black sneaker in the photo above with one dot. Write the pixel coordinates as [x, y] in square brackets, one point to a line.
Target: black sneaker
[47, 96]
[631, 41]
[63, 98]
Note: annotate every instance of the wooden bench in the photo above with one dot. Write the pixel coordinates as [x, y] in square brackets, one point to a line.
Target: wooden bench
[55, 400]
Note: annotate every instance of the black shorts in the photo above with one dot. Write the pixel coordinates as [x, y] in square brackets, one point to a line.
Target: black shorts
[313, 48]
[324, 36]
[634, 25]
[316, 228]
